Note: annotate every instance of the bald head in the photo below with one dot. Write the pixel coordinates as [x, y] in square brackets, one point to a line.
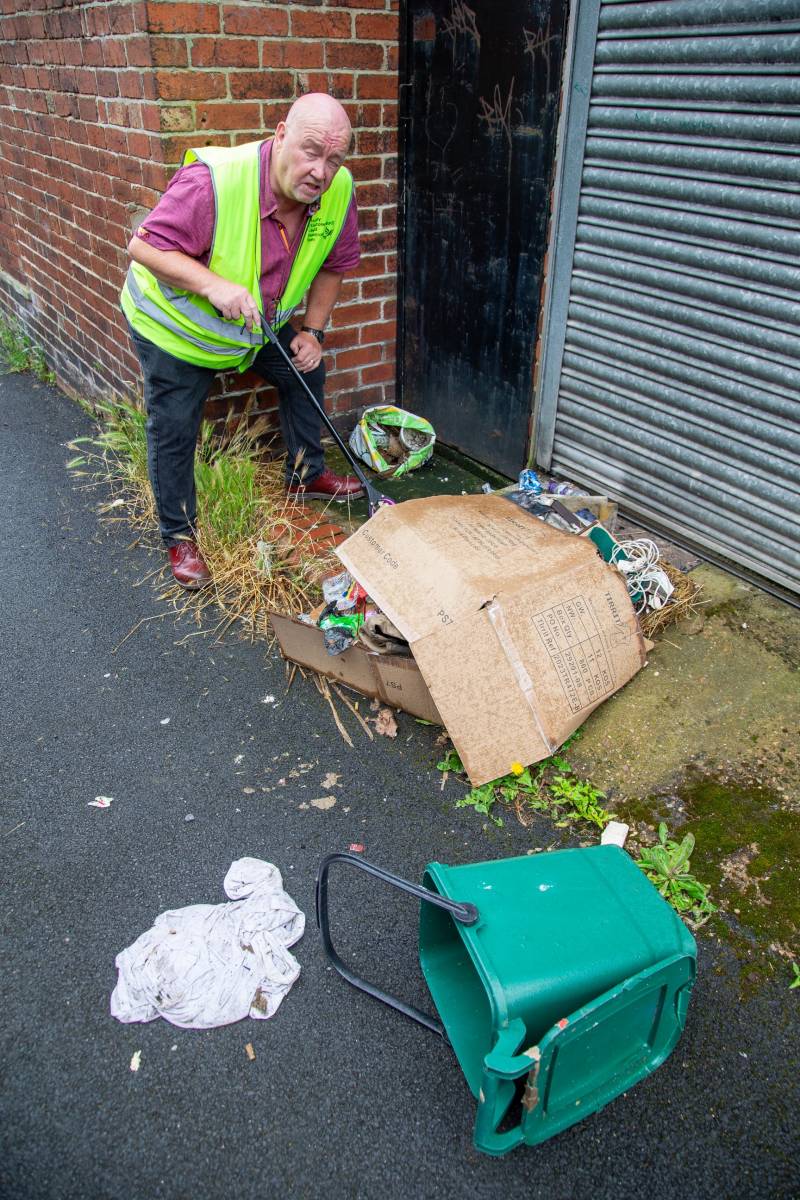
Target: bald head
[308, 149]
[318, 108]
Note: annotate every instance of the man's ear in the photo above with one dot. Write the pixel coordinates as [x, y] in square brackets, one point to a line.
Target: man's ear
[280, 133]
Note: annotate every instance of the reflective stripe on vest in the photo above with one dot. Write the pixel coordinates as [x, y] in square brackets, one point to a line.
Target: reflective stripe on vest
[182, 302]
[187, 325]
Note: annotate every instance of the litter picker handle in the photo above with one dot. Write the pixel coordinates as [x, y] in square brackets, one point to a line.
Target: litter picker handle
[374, 497]
[465, 914]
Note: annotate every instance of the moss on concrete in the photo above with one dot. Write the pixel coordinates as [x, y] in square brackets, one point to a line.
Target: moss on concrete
[719, 692]
[748, 847]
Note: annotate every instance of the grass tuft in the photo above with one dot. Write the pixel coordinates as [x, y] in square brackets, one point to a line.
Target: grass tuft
[246, 527]
[19, 353]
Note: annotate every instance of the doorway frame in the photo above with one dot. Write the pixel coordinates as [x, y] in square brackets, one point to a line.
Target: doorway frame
[576, 80]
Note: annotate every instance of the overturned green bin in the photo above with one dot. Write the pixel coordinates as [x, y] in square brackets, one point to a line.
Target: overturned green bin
[565, 970]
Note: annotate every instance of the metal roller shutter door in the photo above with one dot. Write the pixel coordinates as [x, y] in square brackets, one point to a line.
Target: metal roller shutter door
[679, 384]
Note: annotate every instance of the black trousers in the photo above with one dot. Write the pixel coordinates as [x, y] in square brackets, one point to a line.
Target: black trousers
[175, 393]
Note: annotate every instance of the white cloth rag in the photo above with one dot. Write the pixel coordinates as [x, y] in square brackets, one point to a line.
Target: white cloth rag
[211, 964]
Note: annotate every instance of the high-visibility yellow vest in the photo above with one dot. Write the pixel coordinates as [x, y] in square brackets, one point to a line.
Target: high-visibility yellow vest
[187, 325]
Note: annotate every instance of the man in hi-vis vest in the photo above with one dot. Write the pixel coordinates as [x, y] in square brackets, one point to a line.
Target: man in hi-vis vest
[241, 232]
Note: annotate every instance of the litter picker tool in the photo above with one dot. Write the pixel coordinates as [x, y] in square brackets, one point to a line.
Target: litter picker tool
[375, 499]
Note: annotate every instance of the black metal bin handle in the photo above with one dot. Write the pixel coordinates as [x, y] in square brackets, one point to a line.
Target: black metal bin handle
[465, 914]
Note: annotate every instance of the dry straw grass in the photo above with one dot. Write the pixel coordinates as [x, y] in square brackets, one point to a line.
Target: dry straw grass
[247, 529]
[683, 603]
[248, 532]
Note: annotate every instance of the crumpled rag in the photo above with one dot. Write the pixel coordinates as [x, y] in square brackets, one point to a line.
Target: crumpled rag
[211, 964]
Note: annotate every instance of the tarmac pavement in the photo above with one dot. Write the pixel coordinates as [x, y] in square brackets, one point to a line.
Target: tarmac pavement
[345, 1097]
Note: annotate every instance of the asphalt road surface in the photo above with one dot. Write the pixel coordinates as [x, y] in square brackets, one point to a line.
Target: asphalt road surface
[345, 1097]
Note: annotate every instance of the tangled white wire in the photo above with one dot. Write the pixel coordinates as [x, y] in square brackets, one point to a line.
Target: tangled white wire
[637, 560]
[640, 554]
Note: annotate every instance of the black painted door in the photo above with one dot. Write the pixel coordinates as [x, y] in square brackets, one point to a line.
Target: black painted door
[479, 104]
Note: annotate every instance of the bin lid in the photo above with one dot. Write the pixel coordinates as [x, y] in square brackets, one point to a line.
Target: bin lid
[605, 1047]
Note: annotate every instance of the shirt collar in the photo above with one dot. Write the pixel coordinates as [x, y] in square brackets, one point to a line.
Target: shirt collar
[269, 204]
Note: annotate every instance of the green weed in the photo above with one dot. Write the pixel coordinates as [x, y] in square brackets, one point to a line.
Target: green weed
[796, 981]
[229, 500]
[451, 762]
[549, 786]
[19, 353]
[579, 800]
[226, 473]
[667, 866]
[241, 506]
[482, 799]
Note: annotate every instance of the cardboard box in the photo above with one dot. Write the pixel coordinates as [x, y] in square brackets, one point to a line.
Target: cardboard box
[519, 631]
[393, 680]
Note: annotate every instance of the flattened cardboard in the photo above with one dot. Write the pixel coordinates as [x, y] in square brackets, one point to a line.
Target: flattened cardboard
[393, 680]
[519, 630]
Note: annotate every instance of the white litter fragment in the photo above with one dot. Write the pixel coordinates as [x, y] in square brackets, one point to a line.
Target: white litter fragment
[211, 964]
[136, 1060]
[614, 834]
[166, 721]
[100, 802]
[267, 699]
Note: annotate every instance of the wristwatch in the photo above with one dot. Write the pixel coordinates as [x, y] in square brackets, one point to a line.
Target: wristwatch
[318, 333]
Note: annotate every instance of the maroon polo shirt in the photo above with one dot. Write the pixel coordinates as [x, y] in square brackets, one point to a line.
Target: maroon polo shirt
[183, 220]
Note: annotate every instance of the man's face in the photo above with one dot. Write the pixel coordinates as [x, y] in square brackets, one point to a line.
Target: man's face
[306, 156]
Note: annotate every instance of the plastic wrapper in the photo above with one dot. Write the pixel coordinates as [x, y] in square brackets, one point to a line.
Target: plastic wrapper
[392, 441]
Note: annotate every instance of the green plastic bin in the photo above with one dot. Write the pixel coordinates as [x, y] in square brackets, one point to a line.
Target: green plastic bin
[566, 970]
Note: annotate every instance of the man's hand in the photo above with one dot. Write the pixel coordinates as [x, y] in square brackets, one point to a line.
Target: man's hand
[306, 350]
[234, 301]
[181, 271]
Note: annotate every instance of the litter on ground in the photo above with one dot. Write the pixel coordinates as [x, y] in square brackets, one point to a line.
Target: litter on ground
[211, 964]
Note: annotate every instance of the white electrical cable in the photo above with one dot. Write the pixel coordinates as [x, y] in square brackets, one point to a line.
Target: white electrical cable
[640, 554]
[637, 560]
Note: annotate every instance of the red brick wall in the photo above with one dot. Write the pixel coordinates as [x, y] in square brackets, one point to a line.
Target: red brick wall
[81, 147]
[97, 103]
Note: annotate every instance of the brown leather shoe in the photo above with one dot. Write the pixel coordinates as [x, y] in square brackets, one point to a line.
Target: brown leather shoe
[187, 564]
[327, 486]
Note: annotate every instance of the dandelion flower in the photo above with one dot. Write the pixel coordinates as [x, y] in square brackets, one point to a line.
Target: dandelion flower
[517, 768]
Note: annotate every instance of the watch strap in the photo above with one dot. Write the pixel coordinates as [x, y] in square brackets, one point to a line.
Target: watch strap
[319, 334]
